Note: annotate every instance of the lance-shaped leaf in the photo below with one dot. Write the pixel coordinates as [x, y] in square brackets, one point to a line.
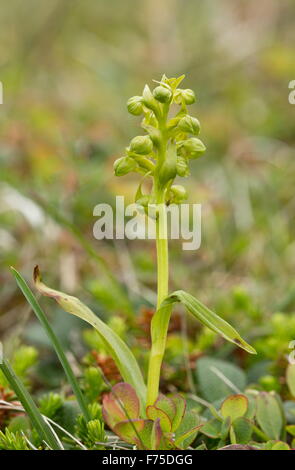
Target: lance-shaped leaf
[207, 317]
[119, 351]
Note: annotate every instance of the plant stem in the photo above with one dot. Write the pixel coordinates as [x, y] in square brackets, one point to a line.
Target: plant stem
[162, 255]
[159, 337]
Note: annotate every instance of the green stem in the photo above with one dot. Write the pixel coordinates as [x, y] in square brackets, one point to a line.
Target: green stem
[159, 337]
[162, 254]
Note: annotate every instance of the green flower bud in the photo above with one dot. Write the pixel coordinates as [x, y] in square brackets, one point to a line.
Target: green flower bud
[172, 123]
[168, 169]
[124, 165]
[178, 194]
[162, 94]
[143, 162]
[189, 125]
[193, 148]
[187, 96]
[141, 144]
[134, 105]
[182, 167]
[149, 100]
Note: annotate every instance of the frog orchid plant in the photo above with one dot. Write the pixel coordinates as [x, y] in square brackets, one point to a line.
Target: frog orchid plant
[135, 410]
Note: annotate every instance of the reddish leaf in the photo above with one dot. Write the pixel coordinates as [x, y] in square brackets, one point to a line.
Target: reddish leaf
[135, 431]
[180, 406]
[238, 447]
[122, 404]
[235, 406]
[155, 413]
[167, 405]
[157, 436]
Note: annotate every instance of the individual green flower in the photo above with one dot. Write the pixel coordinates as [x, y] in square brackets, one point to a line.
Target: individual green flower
[182, 167]
[189, 125]
[192, 148]
[188, 96]
[149, 101]
[134, 105]
[162, 94]
[178, 194]
[141, 144]
[124, 165]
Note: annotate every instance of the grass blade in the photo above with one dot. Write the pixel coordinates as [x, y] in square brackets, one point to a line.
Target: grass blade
[54, 340]
[29, 405]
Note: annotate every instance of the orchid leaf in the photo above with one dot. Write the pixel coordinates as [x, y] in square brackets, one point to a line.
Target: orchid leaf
[119, 351]
[208, 318]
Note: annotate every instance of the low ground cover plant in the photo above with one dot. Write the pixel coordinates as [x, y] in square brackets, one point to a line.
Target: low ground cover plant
[229, 412]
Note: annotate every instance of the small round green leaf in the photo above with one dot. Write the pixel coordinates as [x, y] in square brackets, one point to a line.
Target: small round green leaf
[235, 406]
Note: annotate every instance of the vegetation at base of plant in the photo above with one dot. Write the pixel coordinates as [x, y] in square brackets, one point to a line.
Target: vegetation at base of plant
[12, 441]
[167, 424]
[228, 413]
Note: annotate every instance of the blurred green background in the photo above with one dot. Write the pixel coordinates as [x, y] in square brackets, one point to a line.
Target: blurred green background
[68, 68]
